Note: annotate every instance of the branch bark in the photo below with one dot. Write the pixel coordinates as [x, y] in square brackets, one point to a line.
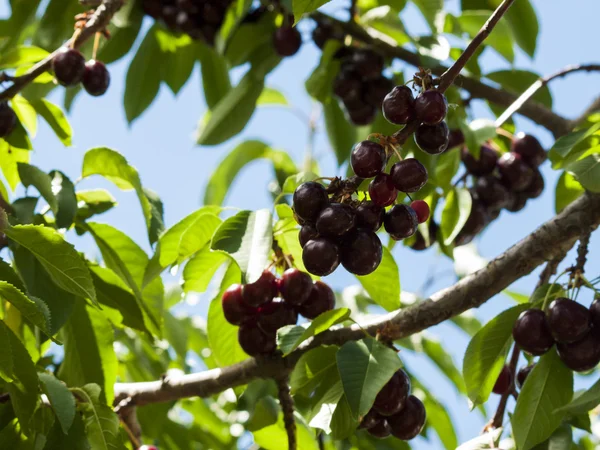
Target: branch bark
[287, 407]
[99, 20]
[550, 240]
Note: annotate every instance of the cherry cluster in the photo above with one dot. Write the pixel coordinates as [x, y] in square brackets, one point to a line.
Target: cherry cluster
[429, 108]
[574, 328]
[395, 412]
[259, 311]
[360, 85]
[200, 19]
[70, 68]
[504, 382]
[502, 182]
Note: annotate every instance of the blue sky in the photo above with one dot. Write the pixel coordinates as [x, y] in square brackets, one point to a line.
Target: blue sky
[160, 145]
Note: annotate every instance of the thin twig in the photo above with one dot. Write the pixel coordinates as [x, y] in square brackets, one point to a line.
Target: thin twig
[450, 75]
[582, 252]
[287, 406]
[131, 424]
[550, 270]
[540, 83]
[499, 416]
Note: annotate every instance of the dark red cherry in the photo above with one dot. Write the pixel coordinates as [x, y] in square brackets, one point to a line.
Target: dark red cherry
[261, 291]
[321, 256]
[275, 315]
[529, 148]
[478, 219]
[8, 119]
[362, 115]
[532, 333]
[307, 233]
[516, 202]
[368, 63]
[595, 312]
[347, 85]
[431, 107]
[582, 355]
[399, 105]
[408, 423]
[361, 252]
[382, 190]
[309, 199]
[381, 429]
[400, 222]
[376, 90]
[335, 220]
[432, 139]
[409, 175]
[295, 286]
[369, 216]
[504, 381]
[367, 159]
[392, 398]
[536, 187]
[254, 341]
[569, 321]
[324, 31]
[421, 210]
[236, 311]
[287, 41]
[516, 175]
[370, 419]
[523, 373]
[320, 300]
[68, 66]
[484, 165]
[492, 192]
[456, 138]
[96, 78]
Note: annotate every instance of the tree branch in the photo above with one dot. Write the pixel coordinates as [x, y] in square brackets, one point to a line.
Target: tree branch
[99, 20]
[535, 111]
[550, 240]
[287, 406]
[499, 416]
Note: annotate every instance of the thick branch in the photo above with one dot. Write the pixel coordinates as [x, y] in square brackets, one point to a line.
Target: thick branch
[99, 20]
[541, 115]
[550, 240]
[287, 407]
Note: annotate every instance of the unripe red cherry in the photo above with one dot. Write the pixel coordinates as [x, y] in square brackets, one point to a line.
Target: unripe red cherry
[261, 291]
[295, 286]
[421, 209]
[235, 310]
[431, 107]
[361, 252]
[433, 139]
[321, 256]
[320, 300]
[68, 66]
[408, 423]
[504, 381]
[393, 396]
[568, 320]
[532, 333]
[399, 105]
[367, 159]
[8, 119]
[96, 78]
[409, 175]
[287, 40]
[382, 190]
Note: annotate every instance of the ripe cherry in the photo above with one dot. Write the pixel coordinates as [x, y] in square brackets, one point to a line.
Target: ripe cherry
[323, 32]
[478, 219]
[399, 105]
[376, 90]
[504, 381]
[595, 312]
[421, 210]
[532, 333]
[529, 148]
[516, 175]
[367, 159]
[456, 138]
[370, 419]
[409, 422]
[369, 216]
[492, 192]
[254, 341]
[321, 256]
[409, 175]
[307, 233]
[287, 41]
[68, 66]
[432, 139]
[381, 429]
[484, 164]
[523, 373]
[401, 222]
[420, 243]
[361, 252]
[236, 311]
[392, 398]
[335, 220]
[261, 291]
[368, 63]
[295, 286]
[431, 107]
[582, 355]
[96, 78]
[320, 300]
[362, 115]
[309, 199]
[276, 314]
[536, 187]
[347, 85]
[516, 202]
[569, 321]
[8, 119]
[382, 190]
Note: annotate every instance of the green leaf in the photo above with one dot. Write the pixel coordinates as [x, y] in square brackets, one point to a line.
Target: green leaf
[587, 172]
[342, 134]
[275, 436]
[301, 7]
[101, 422]
[455, 214]
[386, 20]
[313, 367]
[199, 270]
[524, 25]
[584, 401]
[114, 167]
[55, 117]
[141, 84]
[19, 138]
[9, 157]
[182, 240]
[501, 39]
[290, 337]
[8, 274]
[215, 75]
[365, 366]
[319, 83]
[32, 176]
[549, 387]
[486, 353]
[124, 30]
[248, 37]
[22, 55]
[383, 285]
[568, 189]
[562, 149]
[517, 81]
[61, 400]
[64, 190]
[74, 440]
[247, 238]
[440, 421]
[26, 113]
[89, 354]
[246, 152]
[285, 233]
[446, 167]
[271, 96]
[23, 389]
[562, 438]
[60, 259]
[179, 57]
[36, 313]
[94, 201]
[222, 336]
[441, 358]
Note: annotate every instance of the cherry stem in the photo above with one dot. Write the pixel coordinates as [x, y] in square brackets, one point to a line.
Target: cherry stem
[287, 406]
[96, 45]
[503, 132]
[499, 416]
